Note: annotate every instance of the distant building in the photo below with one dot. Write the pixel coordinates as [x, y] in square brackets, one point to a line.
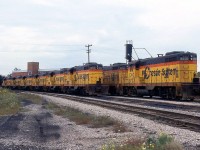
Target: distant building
[19, 73]
[32, 69]
[47, 71]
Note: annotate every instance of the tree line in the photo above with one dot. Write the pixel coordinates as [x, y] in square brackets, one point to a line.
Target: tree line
[1, 79]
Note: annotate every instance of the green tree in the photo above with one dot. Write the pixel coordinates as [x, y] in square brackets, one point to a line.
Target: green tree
[16, 69]
[1, 79]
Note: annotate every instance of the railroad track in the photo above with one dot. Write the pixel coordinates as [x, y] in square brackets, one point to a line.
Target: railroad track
[150, 102]
[166, 104]
[180, 120]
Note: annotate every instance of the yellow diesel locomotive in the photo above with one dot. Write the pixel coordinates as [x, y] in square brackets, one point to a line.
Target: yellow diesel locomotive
[171, 76]
[115, 76]
[165, 76]
[88, 79]
[85, 80]
[8, 82]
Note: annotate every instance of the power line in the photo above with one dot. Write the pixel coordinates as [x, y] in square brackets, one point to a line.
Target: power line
[47, 44]
[27, 51]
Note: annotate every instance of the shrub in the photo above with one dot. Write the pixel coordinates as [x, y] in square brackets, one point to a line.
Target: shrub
[163, 142]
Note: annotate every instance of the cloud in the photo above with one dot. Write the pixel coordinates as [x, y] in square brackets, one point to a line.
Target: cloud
[45, 2]
[171, 14]
[36, 25]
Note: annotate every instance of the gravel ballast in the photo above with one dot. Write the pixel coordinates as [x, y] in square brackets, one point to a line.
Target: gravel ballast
[136, 124]
[38, 128]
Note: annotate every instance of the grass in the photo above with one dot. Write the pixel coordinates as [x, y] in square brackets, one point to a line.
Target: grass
[32, 98]
[9, 102]
[131, 144]
[91, 120]
[162, 142]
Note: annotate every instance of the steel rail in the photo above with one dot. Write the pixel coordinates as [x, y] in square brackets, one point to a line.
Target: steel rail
[192, 107]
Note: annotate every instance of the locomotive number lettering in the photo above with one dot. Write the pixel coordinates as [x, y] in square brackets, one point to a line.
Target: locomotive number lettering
[81, 76]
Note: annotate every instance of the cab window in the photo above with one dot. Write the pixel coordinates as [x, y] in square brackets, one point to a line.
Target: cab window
[184, 58]
[193, 57]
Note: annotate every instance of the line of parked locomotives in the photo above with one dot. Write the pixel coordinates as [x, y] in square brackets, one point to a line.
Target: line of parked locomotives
[172, 75]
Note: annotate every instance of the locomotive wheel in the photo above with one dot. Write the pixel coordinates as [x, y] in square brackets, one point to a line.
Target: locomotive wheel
[68, 91]
[63, 90]
[171, 93]
[130, 92]
[121, 92]
[139, 95]
[112, 90]
[150, 93]
[83, 92]
[191, 99]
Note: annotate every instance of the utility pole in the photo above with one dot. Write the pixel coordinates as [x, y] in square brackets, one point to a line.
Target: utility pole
[88, 51]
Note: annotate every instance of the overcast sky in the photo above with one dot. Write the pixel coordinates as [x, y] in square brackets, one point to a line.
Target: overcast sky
[55, 32]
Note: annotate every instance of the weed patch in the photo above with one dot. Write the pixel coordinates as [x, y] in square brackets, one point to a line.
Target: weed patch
[162, 142]
[35, 99]
[91, 120]
[120, 128]
[9, 102]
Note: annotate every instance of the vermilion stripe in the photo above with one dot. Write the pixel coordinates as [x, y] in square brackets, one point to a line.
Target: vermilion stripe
[81, 71]
[124, 70]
